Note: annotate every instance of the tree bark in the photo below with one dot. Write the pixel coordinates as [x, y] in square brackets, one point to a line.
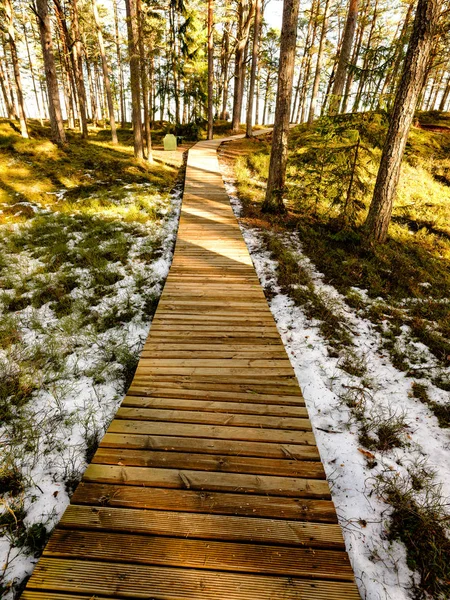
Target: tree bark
[315, 90]
[77, 57]
[273, 201]
[106, 80]
[225, 68]
[33, 79]
[15, 63]
[210, 69]
[410, 87]
[255, 53]
[54, 106]
[245, 18]
[120, 67]
[6, 92]
[344, 56]
[144, 80]
[133, 43]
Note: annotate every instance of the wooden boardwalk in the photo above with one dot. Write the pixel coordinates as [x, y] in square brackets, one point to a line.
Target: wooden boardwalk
[208, 483]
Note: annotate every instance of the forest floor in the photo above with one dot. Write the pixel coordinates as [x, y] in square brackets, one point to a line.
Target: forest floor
[368, 334]
[86, 240]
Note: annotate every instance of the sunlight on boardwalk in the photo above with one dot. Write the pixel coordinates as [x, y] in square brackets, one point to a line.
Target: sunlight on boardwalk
[208, 483]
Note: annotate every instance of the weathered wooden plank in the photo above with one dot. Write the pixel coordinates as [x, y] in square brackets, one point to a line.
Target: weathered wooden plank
[216, 503]
[237, 407]
[212, 418]
[209, 481]
[204, 526]
[200, 554]
[208, 462]
[139, 581]
[212, 431]
[210, 446]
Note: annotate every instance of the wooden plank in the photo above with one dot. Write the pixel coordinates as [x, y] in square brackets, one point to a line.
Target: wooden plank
[204, 526]
[233, 392]
[216, 503]
[139, 581]
[212, 431]
[208, 462]
[211, 481]
[211, 418]
[237, 407]
[200, 554]
[210, 446]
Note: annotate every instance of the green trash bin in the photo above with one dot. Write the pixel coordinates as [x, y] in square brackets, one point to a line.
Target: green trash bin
[170, 142]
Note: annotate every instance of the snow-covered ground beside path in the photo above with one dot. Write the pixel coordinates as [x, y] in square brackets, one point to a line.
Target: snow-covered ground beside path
[379, 564]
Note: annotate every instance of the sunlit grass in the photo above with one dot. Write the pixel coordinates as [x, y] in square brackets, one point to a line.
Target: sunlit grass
[414, 264]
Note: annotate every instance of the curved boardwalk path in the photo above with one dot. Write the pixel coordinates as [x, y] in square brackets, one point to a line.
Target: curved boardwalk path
[208, 483]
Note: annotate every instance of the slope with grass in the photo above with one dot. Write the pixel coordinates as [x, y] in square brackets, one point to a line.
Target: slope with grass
[368, 336]
[85, 245]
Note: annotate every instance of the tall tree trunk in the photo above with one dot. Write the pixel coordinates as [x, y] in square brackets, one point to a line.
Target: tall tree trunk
[315, 90]
[302, 104]
[33, 79]
[6, 92]
[258, 89]
[120, 66]
[365, 65]
[210, 69]
[344, 56]
[392, 75]
[144, 80]
[355, 55]
[67, 62]
[133, 49]
[225, 68]
[411, 84]
[255, 53]
[246, 12]
[273, 201]
[15, 63]
[54, 106]
[77, 58]
[106, 80]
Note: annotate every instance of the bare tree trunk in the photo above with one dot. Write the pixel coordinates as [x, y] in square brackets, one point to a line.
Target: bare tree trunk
[120, 67]
[77, 58]
[344, 56]
[255, 52]
[392, 76]
[133, 44]
[144, 80]
[258, 89]
[33, 79]
[225, 67]
[9, 105]
[54, 106]
[355, 55]
[210, 69]
[315, 90]
[107, 83]
[246, 12]
[15, 63]
[365, 65]
[273, 201]
[411, 84]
